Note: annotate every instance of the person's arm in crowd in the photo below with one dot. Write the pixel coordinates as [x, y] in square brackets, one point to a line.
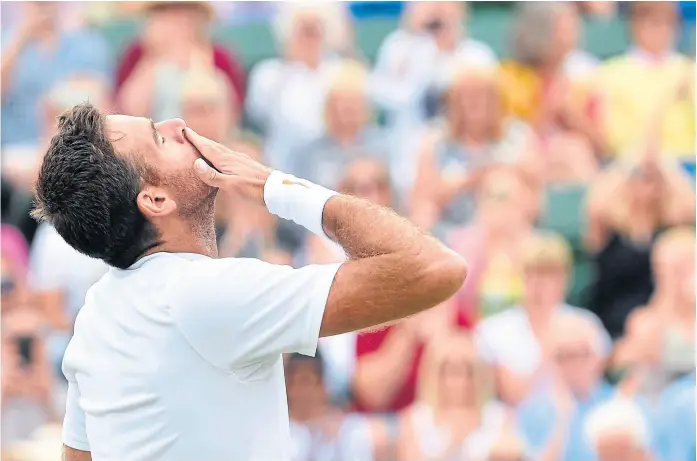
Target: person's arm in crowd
[265, 82]
[602, 191]
[135, 81]
[432, 191]
[17, 42]
[394, 269]
[403, 71]
[71, 454]
[380, 374]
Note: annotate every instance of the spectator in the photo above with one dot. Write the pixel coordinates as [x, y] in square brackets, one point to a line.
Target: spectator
[319, 431]
[349, 132]
[629, 205]
[676, 421]
[205, 105]
[175, 39]
[36, 54]
[453, 416]
[410, 64]
[60, 276]
[26, 373]
[505, 210]
[476, 133]
[544, 82]
[287, 94]
[634, 86]
[551, 419]
[660, 336]
[517, 342]
[618, 429]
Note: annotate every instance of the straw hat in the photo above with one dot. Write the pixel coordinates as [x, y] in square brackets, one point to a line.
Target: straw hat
[206, 7]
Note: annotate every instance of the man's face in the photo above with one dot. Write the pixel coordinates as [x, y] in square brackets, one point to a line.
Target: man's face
[655, 31]
[544, 286]
[164, 149]
[210, 117]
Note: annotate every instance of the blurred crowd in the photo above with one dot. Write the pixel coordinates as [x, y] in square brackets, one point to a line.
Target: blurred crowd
[565, 180]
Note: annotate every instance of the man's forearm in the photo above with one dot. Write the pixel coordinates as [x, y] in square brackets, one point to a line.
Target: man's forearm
[364, 229]
[395, 270]
[71, 454]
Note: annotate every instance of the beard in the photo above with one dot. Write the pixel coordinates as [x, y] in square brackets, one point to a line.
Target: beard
[195, 200]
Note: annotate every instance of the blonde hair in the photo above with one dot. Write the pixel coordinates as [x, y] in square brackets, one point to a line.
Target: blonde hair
[333, 17]
[347, 75]
[614, 188]
[682, 237]
[461, 74]
[453, 345]
[547, 249]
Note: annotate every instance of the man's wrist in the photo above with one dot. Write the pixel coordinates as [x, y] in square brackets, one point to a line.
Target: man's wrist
[297, 200]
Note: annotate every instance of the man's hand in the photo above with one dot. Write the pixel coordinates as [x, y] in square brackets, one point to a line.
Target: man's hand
[231, 171]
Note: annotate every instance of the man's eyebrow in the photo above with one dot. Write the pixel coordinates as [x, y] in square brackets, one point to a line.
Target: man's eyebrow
[155, 137]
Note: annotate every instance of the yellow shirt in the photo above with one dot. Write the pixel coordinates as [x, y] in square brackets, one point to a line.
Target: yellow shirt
[632, 90]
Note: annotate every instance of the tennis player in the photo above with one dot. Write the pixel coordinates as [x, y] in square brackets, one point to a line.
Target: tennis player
[177, 355]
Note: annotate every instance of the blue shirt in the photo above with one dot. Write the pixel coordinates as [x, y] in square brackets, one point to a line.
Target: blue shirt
[537, 418]
[675, 422]
[35, 72]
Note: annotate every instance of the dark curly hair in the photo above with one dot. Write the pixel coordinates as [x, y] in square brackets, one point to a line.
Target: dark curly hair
[88, 193]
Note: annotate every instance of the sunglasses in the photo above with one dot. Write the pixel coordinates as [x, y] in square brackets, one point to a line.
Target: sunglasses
[571, 355]
[366, 187]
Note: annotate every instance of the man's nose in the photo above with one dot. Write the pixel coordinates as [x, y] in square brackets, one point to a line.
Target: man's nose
[174, 128]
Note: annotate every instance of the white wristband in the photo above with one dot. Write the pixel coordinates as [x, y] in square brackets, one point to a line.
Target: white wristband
[296, 199]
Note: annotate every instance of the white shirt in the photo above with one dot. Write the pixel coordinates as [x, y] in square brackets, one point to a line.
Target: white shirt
[506, 339]
[178, 358]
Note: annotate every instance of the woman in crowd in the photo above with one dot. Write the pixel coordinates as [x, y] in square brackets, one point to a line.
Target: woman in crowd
[409, 68]
[545, 82]
[174, 40]
[475, 133]
[453, 416]
[629, 205]
[659, 342]
[506, 206]
[287, 94]
[517, 341]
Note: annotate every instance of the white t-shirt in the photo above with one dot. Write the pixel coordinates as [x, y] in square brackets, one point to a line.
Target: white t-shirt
[178, 358]
[506, 339]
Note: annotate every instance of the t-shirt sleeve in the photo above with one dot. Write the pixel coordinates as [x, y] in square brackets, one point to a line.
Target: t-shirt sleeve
[238, 312]
[74, 431]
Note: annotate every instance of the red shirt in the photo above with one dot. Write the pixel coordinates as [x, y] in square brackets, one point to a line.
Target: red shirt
[223, 60]
[370, 342]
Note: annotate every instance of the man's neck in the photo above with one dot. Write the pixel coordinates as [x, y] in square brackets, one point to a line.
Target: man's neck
[186, 238]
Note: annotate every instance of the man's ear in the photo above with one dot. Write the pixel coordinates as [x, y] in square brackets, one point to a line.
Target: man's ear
[155, 202]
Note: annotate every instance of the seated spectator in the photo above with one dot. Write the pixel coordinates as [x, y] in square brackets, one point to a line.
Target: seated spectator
[175, 39]
[286, 97]
[618, 429]
[494, 243]
[205, 105]
[318, 430]
[411, 64]
[475, 133]
[660, 336]
[60, 276]
[517, 342]
[27, 384]
[453, 416]
[38, 52]
[551, 419]
[629, 205]
[675, 425]
[545, 81]
[349, 133]
[634, 86]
